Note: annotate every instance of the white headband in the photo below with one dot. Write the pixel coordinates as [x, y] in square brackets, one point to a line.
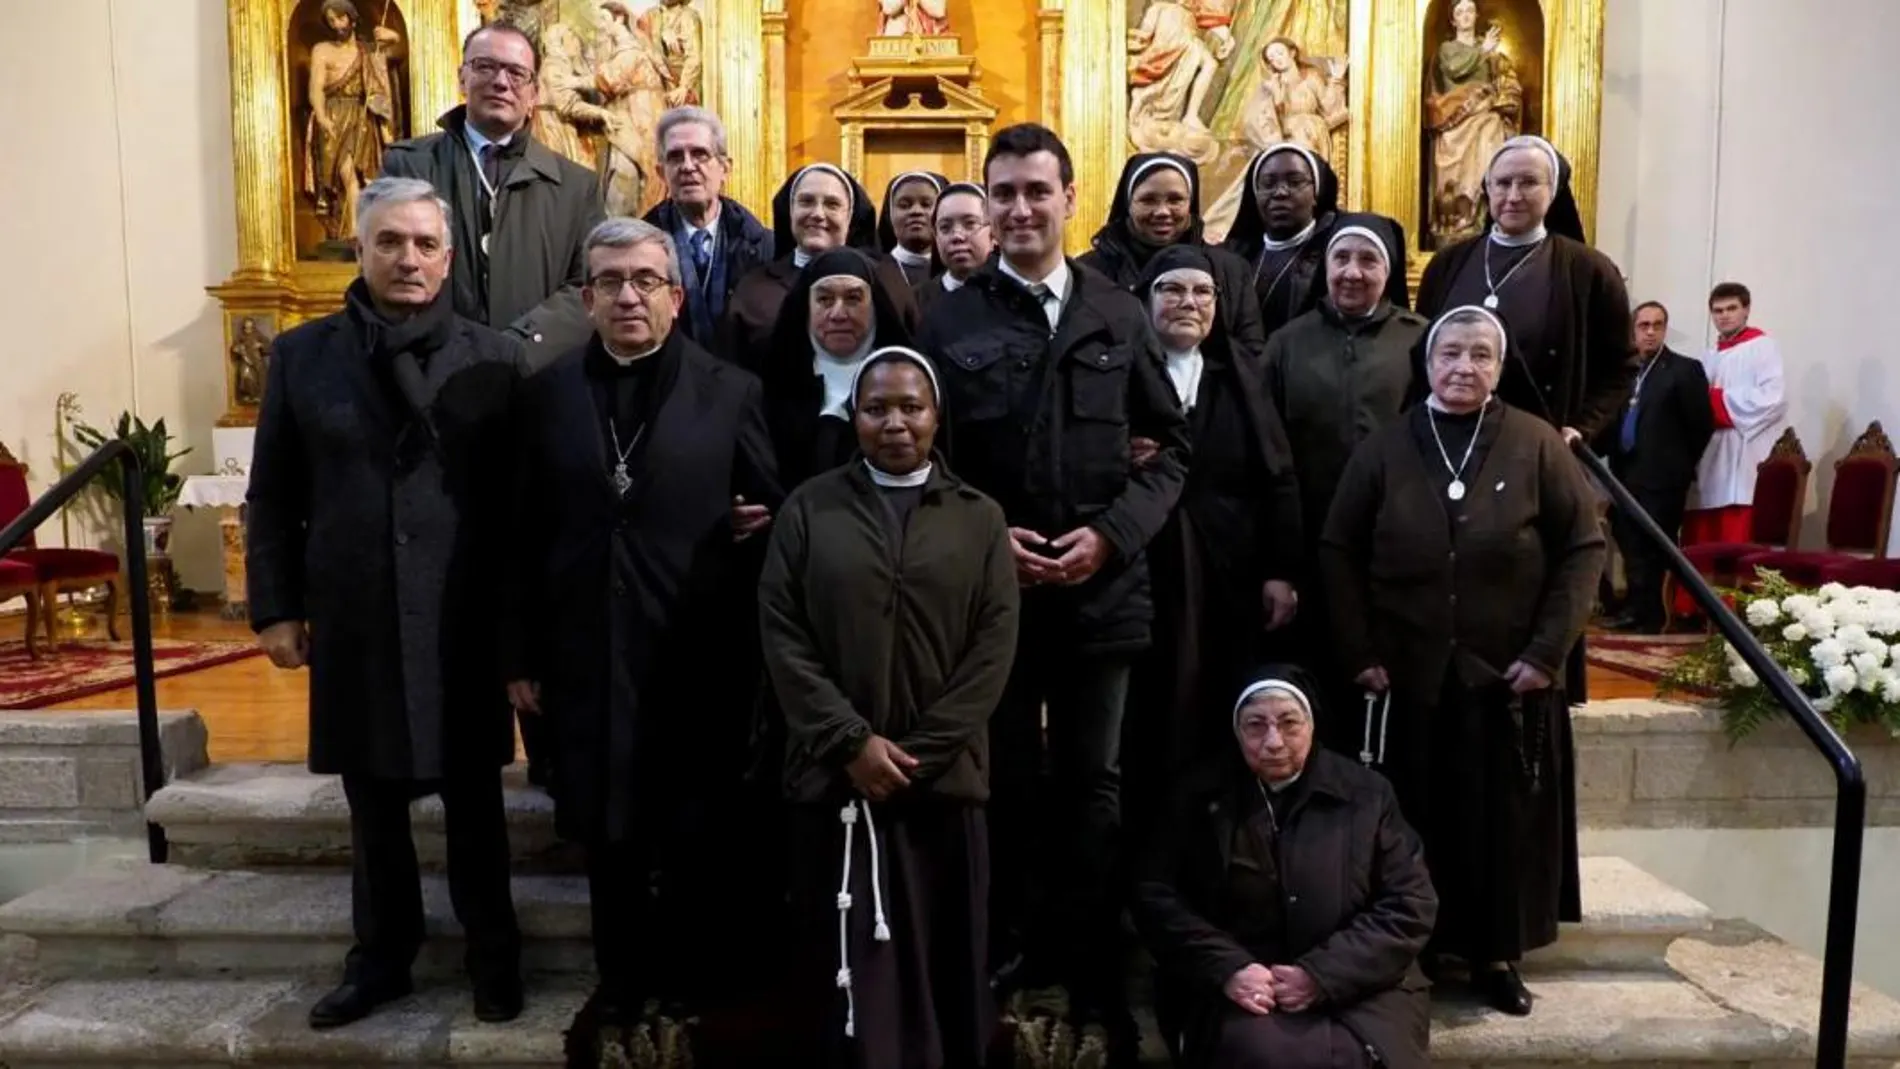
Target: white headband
[850, 192]
[1184, 274]
[1529, 141]
[923, 176]
[1378, 242]
[911, 355]
[1504, 341]
[1312, 161]
[1271, 686]
[1149, 165]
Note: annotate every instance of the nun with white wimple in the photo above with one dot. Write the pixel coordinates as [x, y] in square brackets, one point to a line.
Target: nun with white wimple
[1566, 303]
[1460, 561]
[1287, 901]
[888, 611]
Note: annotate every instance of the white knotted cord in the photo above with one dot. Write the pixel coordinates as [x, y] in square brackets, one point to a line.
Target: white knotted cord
[881, 929]
[1367, 755]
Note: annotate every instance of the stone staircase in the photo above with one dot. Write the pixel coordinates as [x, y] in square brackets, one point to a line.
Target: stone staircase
[215, 959]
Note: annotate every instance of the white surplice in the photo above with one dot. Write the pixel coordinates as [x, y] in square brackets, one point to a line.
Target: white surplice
[1750, 378]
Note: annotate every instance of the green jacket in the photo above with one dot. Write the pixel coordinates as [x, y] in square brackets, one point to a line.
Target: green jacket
[863, 635]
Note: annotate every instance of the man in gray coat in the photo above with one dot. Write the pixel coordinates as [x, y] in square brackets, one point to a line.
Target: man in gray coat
[521, 211]
[376, 533]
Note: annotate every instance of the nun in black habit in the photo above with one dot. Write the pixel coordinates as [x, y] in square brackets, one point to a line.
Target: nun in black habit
[1288, 208]
[1158, 206]
[904, 229]
[822, 336]
[834, 212]
[1224, 568]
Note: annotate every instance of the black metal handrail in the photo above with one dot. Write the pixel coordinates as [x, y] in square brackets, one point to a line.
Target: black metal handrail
[132, 492]
[1850, 786]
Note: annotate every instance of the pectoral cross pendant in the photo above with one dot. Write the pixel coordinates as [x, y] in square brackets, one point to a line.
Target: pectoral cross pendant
[623, 482]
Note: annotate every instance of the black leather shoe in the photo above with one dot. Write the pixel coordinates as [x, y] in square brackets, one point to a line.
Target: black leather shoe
[351, 1002]
[1503, 990]
[498, 1000]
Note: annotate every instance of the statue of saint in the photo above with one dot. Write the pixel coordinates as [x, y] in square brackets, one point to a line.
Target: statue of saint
[1475, 105]
[569, 119]
[902, 18]
[1298, 100]
[352, 115]
[673, 27]
[631, 79]
[249, 352]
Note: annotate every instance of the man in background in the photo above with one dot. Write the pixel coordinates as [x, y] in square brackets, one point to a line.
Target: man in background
[718, 239]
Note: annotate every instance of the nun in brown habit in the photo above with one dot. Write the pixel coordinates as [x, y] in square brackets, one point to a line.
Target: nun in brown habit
[835, 314]
[904, 229]
[1225, 568]
[1286, 902]
[819, 208]
[889, 611]
[1288, 208]
[1461, 557]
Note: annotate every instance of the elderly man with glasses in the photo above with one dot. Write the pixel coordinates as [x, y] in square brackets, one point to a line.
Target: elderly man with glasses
[646, 471]
[520, 214]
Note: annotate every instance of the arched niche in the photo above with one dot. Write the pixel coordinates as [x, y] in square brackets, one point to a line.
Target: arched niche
[1472, 97]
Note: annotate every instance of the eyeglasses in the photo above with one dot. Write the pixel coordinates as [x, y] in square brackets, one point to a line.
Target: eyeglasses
[489, 70]
[949, 227]
[608, 287]
[1176, 293]
[1289, 183]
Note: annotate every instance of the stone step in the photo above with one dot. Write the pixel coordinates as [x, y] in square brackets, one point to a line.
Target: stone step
[244, 816]
[1732, 997]
[131, 918]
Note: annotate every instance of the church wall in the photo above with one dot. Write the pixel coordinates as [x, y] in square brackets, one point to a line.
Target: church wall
[823, 36]
[1753, 140]
[118, 212]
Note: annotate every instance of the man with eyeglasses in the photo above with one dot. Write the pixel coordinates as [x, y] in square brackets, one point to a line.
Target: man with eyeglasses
[648, 471]
[718, 239]
[964, 243]
[521, 210]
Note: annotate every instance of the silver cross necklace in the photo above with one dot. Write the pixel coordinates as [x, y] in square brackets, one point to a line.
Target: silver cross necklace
[623, 481]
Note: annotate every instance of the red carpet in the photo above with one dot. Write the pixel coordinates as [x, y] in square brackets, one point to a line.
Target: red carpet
[84, 668]
[1647, 657]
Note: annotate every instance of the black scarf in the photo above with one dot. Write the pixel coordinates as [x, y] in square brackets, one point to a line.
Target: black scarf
[399, 350]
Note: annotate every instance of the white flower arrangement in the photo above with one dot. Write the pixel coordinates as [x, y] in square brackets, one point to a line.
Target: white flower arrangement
[1839, 644]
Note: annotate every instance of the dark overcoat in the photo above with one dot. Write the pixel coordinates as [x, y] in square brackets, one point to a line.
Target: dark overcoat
[386, 529]
[543, 212]
[1359, 905]
[620, 604]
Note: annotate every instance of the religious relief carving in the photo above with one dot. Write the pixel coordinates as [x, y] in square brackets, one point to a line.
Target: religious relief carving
[1219, 80]
[352, 110]
[921, 18]
[1474, 102]
[250, 349]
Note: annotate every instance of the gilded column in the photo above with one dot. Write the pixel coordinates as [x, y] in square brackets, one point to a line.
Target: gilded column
[435, 58]
[1094, 78]
[259, 129]
[737, 38]
[1049, 32]
[1397, 110]
[773, 162]
[1573, 101]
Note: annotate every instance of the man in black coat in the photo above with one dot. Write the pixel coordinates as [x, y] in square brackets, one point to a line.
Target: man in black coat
[1654, 449]
[718, 239]
[375, 535]
[1049, 369]
[521, 210]
[644, 471]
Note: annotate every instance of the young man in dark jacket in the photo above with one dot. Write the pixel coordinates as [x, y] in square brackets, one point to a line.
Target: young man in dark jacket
[1049, 369]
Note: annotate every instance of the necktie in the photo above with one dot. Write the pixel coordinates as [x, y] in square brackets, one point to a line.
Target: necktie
[1046, 297]
[702, 253]
[491, 165]
[1626, 437]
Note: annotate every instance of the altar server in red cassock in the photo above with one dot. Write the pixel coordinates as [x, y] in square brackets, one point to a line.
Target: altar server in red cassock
[1749, 398]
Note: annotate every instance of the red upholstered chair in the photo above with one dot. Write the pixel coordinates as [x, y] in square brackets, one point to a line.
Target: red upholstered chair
[55, 570]
[1781, 487]
[1883, 573]
[1859, 514]
[18, 580]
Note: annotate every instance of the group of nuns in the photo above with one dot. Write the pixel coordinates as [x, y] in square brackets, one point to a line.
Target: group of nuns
[1305, 372]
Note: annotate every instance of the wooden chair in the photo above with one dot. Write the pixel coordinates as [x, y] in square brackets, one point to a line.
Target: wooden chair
[1781, 487]
[1859, 515]
[19, 580]
[55, 570]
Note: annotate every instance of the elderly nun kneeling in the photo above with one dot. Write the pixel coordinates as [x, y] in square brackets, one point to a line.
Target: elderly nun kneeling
[1287, 905]
[1461, 558]
[888, 610]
